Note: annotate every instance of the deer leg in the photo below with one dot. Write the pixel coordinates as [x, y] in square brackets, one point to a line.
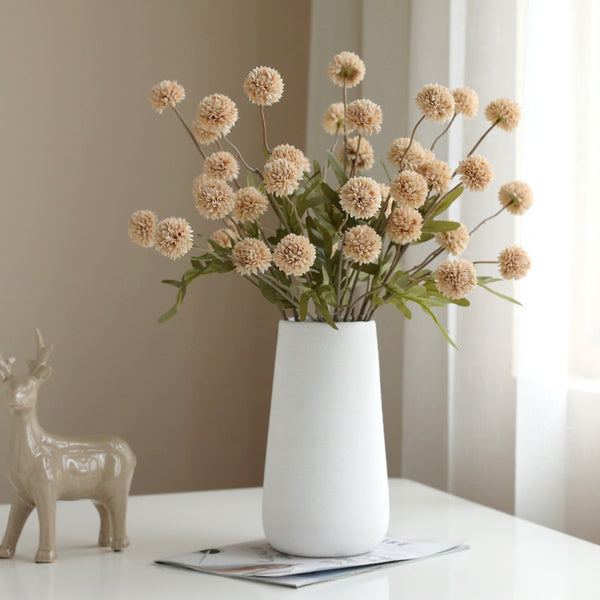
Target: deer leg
[106, 535]
[45, 502]
[19, 511]
[117, 505]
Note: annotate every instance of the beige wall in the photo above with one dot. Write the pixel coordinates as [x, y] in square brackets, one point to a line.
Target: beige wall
[81, 150]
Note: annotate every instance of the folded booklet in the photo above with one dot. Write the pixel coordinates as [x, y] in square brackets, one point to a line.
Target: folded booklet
[258, 561]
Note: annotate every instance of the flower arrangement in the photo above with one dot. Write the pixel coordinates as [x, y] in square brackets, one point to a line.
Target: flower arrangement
[336, 249]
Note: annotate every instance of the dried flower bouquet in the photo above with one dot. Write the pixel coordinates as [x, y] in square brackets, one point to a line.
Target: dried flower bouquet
[336, 252]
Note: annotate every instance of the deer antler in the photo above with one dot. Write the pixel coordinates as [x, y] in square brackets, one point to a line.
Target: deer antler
[43, 352]
[6, 367]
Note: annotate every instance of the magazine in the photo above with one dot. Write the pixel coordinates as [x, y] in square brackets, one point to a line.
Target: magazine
[258, 561]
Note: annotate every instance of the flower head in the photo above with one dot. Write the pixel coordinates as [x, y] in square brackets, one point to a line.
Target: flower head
[224, 237]
[203, 136]
[217, 113]
[514, 262]
[404, 225]
[251, 256]
[504, 110]
[436, 102]
[466, 101]
[164, 94]
[263, 86]
[454, 241]
[360, 197]
[437, 174]
[476, 173]
[214, 198]
[291, 154]
[281, 177]
[333, 119]
[412, 158]
[346, 68]
[221, 165]
[455, 278]
[142, 228]
[365, 157]
[362, 244]
[294, 254]
[174, 237]
[516, 196]
[249, 204]
[409, 188]
[365, 116]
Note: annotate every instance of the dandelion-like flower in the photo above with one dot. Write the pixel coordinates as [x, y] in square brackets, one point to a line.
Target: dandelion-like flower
[436, 102]
[476, 173]
[291, 154]
[221, 165]
[365, 116]
[360, 197]
[513, 262]
[142, 228]
[413, 158]
[404, 225]
[214, 198]
[250, 204]
[362, 244]
[203, 136]
[217, 113]
[294, 254]
[224, 237]
[409, 188]
[504, 110]
[516, 196]
[263, 86]
[454, 241]
[456, 278]
[251, 256]
[365, 158]
[346, 68]
[466, 101]
[437, 174]
[281, 177]
[333, 119]
[174, 237]
[164, 94]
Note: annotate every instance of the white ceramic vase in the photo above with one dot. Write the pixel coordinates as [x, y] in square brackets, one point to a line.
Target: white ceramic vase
[325, 484]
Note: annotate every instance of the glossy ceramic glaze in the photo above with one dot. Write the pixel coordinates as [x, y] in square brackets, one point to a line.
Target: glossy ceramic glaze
[44, 468]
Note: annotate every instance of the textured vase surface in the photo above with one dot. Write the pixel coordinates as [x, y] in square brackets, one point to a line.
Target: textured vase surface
[325, 484]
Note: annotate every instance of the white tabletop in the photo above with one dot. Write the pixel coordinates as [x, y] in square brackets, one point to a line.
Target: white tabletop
[509, 559]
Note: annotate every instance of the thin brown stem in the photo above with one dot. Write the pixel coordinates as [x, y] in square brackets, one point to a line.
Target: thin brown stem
[345, 94]
[295, 213]
[412, 137]
[235, 148]
[438, 202]
[264, 128]
[443, 132]
[352, 290]
[355, 161]
[190, 133]
[277, 211]
[486, 220]
[485, 262]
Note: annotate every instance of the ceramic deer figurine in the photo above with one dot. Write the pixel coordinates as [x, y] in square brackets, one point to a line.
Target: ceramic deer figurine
[44, 468]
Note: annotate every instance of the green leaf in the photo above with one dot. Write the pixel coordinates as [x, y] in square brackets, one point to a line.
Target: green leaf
[386, 172]
[429, 312]
[250, 179]
[447, 201]
[169, 314]
[425, 237]
[503, 296]
[337, 168]
[174, 282]
[324, 311]
[400, 303]
[303, 309]
[274, 296]
[435, 226]
[309, 201]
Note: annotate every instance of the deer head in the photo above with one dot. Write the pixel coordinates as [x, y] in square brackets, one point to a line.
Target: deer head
[21, 390]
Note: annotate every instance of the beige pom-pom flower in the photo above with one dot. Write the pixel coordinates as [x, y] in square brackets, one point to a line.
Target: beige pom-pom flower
[142, 228]
[362, 244]
[294, 254]
[291, 154]
[217, 113]
[436, 102]
[251, 256]
[333, 119]
[249, 204]
[224, 237]
[516, 196]
[454, 241]
[455, 278]
[214, 198]
[514, 262]
[414, 157]
[365, 116]
[281, 177]
[437, 174]
[476, 173]
[404, 225]
[263, 86]
[409, 188]
[504, 110]
[360, 197]
[221, 165]
[346, 67]
[466, 101]
[365, 157]
[203, 136]
[164, 94]
[174, 237]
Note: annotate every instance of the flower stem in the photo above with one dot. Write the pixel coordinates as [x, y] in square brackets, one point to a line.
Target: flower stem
[344, 124]
[412, 137]
[189, 132]
[443, 132]
[485, 220]
[355, 161]
[251, 169]
[264, 128]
